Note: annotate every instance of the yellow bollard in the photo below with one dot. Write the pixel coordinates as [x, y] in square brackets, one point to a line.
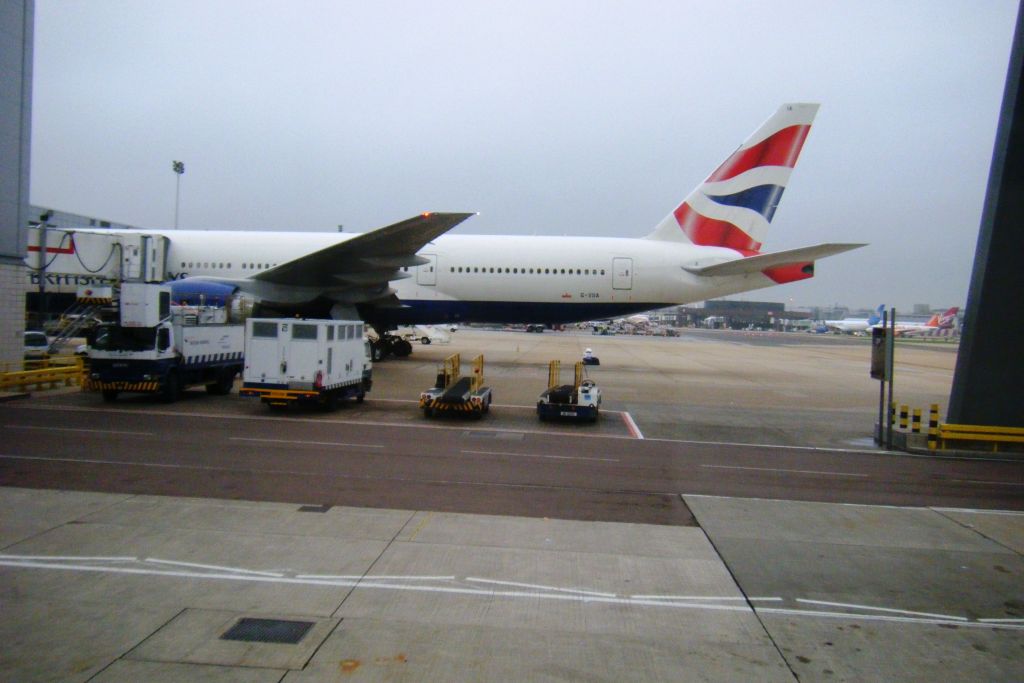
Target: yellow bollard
[933, 427]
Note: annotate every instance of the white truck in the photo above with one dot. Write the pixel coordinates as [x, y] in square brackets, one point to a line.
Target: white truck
[290, 361]
[158, 347]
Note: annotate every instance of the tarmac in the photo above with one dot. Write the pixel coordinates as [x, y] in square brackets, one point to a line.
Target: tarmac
[107, 587]
[117, 587]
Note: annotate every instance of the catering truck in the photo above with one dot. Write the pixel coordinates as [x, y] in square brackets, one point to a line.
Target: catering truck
[158, 347]
[293, 362]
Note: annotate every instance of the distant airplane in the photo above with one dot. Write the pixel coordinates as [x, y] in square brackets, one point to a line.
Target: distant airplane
[852, 325]
[945, 321]
[411, 273]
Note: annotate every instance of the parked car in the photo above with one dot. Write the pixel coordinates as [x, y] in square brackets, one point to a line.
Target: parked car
[37, 346]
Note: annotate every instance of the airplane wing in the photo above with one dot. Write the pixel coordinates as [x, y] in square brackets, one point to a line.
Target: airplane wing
[367, 260]
[761, 262]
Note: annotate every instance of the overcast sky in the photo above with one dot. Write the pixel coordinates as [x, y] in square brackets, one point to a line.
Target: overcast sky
[547, 117]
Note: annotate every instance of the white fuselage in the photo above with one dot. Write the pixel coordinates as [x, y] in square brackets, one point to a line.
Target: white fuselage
[493, 277]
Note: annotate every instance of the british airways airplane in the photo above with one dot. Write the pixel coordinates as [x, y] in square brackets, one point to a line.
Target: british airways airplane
[412, 273]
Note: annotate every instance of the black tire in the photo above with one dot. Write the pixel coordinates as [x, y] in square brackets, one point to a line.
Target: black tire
[377, 351]
[172, 388]
[330, 402]
[222, 387]
[401, 348]
[424, 340]
[110, 395]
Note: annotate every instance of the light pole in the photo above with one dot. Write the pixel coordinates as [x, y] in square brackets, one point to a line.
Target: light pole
[179, 169]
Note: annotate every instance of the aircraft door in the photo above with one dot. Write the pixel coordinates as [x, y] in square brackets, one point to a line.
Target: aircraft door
[426, 274]
[622, 273]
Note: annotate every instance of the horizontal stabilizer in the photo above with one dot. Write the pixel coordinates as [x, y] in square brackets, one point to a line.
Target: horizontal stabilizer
[761, 262]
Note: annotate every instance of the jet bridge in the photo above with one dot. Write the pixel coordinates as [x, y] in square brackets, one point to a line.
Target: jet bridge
[107, 254]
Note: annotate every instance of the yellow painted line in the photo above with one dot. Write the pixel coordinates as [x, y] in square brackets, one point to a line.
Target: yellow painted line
[419, 527]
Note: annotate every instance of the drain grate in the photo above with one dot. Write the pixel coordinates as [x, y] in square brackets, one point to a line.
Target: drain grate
[268, 631]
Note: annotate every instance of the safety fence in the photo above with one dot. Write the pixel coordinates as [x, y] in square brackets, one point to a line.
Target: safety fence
[39, 375]
[945, 436]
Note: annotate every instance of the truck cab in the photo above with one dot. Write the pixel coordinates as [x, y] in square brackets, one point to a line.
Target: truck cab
[157, 347]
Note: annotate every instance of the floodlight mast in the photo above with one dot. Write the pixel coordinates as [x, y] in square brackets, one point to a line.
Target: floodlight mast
[179, 169]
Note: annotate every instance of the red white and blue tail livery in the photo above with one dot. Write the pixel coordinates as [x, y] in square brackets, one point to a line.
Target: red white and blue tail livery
[735, 205]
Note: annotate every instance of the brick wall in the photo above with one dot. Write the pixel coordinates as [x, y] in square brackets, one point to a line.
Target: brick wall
[12, 310]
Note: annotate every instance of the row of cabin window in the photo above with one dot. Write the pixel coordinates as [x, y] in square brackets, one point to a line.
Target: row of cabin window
[245, 266]
[531, 271]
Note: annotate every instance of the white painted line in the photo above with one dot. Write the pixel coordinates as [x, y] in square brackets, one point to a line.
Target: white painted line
[1002, 621]
[306, 443]
[631, 426]
[74, 429]
[778, 469]
[515, 584]
[232, 570]
[855, 505]
[775, 446]
[358, 577]
[973, 511]
[573, 595]
[737, 598]
[880, 617]
[293, 419]
[881, 609]
[537, 455]
[75, 558]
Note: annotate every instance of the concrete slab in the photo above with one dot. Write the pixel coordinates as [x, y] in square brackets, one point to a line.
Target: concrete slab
[162, 512]
[689, 595]
[1005, 528]
[875, 593]
[557, 534]
[128, 671]
[871, 525]
[28, 512]
[874, 580]
[380, 650]
[57, 639]
[851, 650]
[168, 567]
[194, 636]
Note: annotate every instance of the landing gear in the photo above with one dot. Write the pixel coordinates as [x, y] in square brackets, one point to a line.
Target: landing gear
[389, 345]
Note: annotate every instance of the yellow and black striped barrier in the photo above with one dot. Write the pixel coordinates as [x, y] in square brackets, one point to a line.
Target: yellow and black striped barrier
[933, 427]
[990, 436]
[49, 374]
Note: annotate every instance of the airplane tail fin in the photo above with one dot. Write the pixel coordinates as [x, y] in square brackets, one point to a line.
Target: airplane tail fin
[876, 317]
[948, 319]
[734, 206]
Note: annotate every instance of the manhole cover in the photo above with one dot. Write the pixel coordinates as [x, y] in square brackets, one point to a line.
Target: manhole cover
[268, 631]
